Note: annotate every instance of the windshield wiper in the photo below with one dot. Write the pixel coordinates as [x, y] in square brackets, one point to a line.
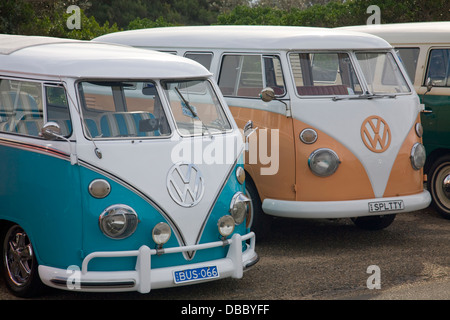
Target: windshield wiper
[366, 95]
[194, 114]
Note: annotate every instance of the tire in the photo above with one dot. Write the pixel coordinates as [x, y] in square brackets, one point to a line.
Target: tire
[257, 220]
[440, 195]
[20, 267]
[374, 222]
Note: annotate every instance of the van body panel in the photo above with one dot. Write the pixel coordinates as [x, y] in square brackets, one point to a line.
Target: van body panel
[46, 179]
[234, 37]
[377, 166]
[281, 185]
[436, 122]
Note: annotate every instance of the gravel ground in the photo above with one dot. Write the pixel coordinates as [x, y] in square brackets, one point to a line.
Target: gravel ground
[325, 260]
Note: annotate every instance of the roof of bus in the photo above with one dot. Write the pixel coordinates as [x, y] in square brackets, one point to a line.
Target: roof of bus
[408, 33]
[86, 59]
[246, 37]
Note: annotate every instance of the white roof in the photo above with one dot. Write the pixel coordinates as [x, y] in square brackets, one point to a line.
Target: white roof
[246, 37]
[86, 59]
[408, 33]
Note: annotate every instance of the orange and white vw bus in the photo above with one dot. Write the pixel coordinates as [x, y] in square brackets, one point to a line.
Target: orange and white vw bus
[424, 48]
[337, 119]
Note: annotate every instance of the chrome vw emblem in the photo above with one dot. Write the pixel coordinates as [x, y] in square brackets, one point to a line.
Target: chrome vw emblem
[376, 134]
[185, 184]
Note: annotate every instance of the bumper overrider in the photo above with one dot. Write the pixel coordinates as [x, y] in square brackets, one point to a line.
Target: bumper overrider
[144, 278]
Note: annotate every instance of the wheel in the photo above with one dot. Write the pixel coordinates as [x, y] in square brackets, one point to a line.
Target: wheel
[374, 222]
[257, 220]
[20, 268]
[439, 185]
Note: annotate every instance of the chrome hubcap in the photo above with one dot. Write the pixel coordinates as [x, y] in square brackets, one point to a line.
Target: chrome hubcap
[18, 256]
[446, 186]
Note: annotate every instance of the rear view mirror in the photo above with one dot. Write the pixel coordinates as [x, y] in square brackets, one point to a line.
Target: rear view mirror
[149, 90]
[51, 131]
[429, 85]
[267, 94]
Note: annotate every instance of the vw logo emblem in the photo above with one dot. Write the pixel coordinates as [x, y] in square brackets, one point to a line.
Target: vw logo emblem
[375, 134]
[185, 184]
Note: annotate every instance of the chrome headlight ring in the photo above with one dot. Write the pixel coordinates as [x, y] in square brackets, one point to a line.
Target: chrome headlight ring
[161, 233]
[118, 221]
[240, 175]
[418, 156]
[239, 207]
[323, 162]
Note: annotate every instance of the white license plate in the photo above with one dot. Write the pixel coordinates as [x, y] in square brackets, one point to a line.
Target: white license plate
[195, 274]
[384, 206]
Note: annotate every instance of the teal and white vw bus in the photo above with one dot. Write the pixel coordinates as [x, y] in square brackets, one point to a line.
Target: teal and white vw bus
[121, 170]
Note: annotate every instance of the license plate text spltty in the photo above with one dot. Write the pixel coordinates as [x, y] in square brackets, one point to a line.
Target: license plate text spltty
[383, 206]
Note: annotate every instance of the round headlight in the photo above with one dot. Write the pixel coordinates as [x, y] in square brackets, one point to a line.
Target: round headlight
[239, 207]
[118, 221]
[418, 156]
[323, 162]
[226, 225]
[240, 175]
[161, 233]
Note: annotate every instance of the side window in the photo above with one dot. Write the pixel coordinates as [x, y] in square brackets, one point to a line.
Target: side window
[122, 109]
[274, 74]
[21, 107]
[247, 75]
[439, 67]
[409, 57]
[204, 58]
[318, 74]
[58, 108]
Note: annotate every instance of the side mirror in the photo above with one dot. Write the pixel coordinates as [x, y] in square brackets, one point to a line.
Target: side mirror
[429, 85]
[267, 94]
[51, 131]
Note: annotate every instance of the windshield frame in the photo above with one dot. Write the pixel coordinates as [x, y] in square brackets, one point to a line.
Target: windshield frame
[206, 130]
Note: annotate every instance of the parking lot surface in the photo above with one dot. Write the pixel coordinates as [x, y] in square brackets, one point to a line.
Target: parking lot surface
[326, 260]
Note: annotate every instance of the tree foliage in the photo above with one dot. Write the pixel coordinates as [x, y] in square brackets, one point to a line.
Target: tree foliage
[49, 17]
[339, 13]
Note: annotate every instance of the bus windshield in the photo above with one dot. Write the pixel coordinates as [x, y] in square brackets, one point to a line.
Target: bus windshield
[195, 107]
[381, 72]
[122, 109]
